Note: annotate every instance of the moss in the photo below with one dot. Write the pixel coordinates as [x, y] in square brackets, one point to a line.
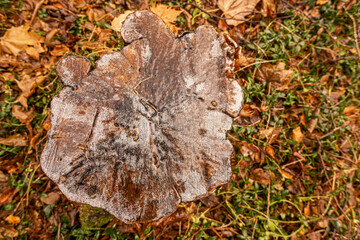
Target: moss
[91, 217]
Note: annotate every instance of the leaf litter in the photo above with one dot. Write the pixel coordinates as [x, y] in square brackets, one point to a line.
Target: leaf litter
[296, 142]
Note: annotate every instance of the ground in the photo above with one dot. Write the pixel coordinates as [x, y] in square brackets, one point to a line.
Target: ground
[296, 142]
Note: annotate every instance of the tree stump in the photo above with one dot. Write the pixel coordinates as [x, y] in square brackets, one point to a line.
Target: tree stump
[146, 129]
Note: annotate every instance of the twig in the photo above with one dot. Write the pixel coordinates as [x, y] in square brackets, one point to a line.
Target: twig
[266, 61]
[355, 34]
[38, 5]
[142, 98]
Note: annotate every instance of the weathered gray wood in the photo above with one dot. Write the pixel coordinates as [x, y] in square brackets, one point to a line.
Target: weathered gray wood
[146, 129]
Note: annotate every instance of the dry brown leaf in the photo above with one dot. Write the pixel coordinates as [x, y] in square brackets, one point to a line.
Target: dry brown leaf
[21, 115]
[167, 14]
[14, 220]
[269, 7]
[8, 231]
[251, 150]
[271, 134]
[236, 9]
[52, 198]
[19, 38]
[7, 196]
[314, 121]
[116, 24]
[261, 176]
[270, 151]
[334, 96]
[350, 110]
[32, 52]
[27, 86]
[297, 134]
[59, 50]
[16, 140]
[276, 75]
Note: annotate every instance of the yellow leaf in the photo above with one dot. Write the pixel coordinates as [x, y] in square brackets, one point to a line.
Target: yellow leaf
[321, 2]
[117, 23]
[167, 14]
[20, 38]
[237, 9]
[14, 220]
[297, 134]
[286, 174]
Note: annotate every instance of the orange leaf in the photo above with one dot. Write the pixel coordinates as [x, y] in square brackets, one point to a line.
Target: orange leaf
[297, 134]
[59, 50]
[270, 151]
[350, 110]
[14, 220]
[307, 210]
[167, 14]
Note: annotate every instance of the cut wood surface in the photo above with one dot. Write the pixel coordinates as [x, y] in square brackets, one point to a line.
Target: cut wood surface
[146, 129]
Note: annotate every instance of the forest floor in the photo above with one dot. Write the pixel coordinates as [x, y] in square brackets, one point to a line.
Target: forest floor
[296, 165]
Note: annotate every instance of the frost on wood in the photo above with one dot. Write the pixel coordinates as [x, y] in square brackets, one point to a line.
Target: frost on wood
[146, 129]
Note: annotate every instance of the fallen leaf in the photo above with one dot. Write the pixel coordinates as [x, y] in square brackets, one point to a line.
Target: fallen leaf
[27, 86]
[16, 140]
[321, 2]
[8, 231]
[7, 196]
[261, 176]
[52, 198]
[236, 9]
[271, 134]
[270, 151]
[59, 50]
[19, 38]
[21, 115]
[285, 174]
[334, 96]
[167, 14]
[350, 110]
[251, 150]
[307, 210]
[276, 75]
[116, 24]
[268, 7]
[297, 134]
[14, 220]
[323, 223]
[314, 120]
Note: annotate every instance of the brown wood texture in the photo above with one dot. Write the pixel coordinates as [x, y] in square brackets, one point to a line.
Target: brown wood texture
[146, 129]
